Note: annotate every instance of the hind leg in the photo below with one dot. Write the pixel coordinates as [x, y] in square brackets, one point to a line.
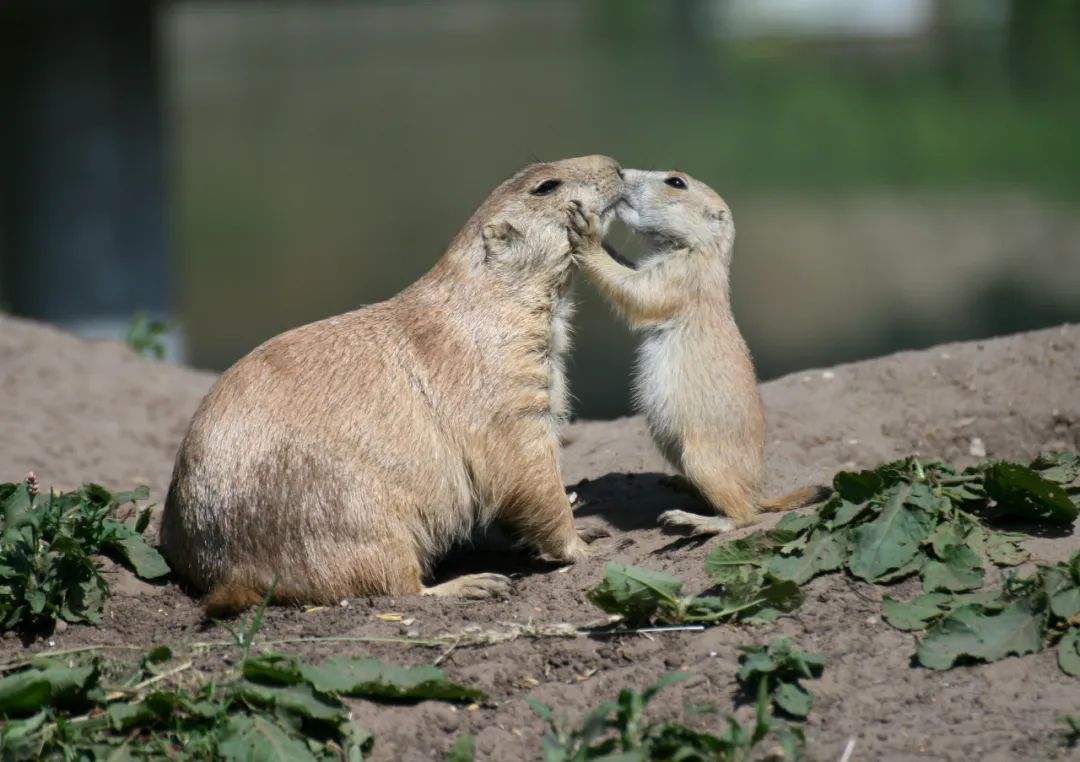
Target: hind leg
[697, 524]
[399, 572]
[718, 484]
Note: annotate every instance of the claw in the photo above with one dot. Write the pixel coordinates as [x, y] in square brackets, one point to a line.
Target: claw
[698, 525]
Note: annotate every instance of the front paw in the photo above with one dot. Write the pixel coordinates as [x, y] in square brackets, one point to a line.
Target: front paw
[575, 550]
[583, 228]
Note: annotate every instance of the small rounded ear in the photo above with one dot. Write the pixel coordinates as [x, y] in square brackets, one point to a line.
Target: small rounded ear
[498, 238]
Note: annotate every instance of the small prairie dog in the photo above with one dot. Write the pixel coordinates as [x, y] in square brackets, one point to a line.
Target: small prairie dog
[344, 457]
[694, 380]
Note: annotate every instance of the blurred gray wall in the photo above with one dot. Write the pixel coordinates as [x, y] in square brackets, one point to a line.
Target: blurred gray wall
[83, 203]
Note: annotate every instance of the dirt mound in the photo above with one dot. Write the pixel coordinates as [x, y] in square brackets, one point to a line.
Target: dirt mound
[77, 411]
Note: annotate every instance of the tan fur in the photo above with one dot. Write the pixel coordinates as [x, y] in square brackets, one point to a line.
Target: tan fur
[694, 380]
[343, 457]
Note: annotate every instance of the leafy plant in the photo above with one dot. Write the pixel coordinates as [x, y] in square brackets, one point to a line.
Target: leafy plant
[617, 730]
[906, 518]
[777, 669]
[47, 544]
[901, 519]
[145, 335]
[254, 717]
[989, 625]
[273, 708]
[643, 596]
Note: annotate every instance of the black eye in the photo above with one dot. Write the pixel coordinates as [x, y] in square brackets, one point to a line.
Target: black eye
[676, 182]
[545, 187]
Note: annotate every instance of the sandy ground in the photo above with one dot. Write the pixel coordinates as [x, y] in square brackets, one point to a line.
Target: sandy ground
[75, 411]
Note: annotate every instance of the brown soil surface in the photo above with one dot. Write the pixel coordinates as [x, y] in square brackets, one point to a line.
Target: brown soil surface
[75, 411]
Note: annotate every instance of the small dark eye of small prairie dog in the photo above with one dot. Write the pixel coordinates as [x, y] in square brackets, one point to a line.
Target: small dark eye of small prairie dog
[676, 182]
[545, 187]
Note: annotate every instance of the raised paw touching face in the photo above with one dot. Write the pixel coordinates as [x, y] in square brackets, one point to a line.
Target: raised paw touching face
[583, 230]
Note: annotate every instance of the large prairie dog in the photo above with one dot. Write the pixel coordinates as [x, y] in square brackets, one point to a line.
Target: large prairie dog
[694, 379]
[344, 457]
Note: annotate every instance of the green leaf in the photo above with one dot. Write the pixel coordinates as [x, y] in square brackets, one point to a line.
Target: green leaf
[46, 683]
[974, 632]
[1062, 585]
[145, 561]
[1069, 652]
[17, 737]
[463, 750]
[366, 677]
[1019, 491]
[541, 709]
[780, 665]
[925, 500]
[1057, 467]
[727, 559]
[959, 569]
[823, 553]
[272, 669]
[793, 523]
[889, 541]
[945, 536]
[124, 716]
[143, 521]
[779, 597]
[302, 700]
[916, 614]
[142, 492]
[157, 655]
[637, 594]
[1003, 549]
[257, 738]
[793, 699]
[857, 486]
[357, 741]
[848, 512]
[17, 505]
[24, 693]
[665, 681]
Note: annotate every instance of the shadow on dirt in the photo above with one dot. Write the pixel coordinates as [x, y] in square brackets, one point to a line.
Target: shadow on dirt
[616, 502]
[632, 501]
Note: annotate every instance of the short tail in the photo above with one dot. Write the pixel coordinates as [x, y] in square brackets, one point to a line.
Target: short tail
[799, 498]
[230, 599]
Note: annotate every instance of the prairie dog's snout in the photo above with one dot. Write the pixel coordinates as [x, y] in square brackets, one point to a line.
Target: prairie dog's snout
[608, 189]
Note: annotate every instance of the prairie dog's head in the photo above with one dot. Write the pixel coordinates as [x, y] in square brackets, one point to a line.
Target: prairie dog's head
[675, 211]
[523, 222]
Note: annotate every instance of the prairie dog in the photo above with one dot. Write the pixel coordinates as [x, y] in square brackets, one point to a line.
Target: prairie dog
[344, 457]
[694, 380]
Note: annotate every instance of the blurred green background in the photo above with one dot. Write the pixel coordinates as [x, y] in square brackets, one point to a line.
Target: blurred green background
[901, 172]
